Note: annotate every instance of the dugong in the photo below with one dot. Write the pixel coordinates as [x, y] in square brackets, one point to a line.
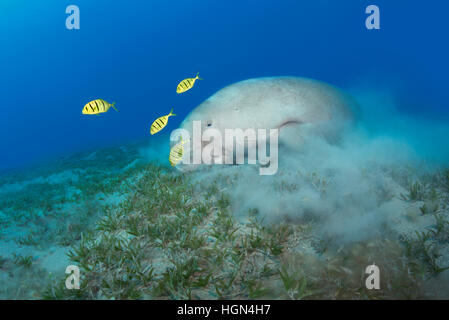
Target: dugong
[298, 107]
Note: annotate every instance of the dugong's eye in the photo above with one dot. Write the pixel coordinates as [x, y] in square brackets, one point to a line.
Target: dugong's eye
[209, 123]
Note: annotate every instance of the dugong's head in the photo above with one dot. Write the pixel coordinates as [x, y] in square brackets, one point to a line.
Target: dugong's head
[297, 107]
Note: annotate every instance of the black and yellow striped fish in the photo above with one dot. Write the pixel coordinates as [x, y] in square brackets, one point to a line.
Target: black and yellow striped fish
[176, 153]
[187, 84]
[160, 123]
[98, 106]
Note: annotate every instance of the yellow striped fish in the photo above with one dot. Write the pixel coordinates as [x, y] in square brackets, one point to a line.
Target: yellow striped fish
[98, 106]
[160, 123]
[176, 153]
[187, 84]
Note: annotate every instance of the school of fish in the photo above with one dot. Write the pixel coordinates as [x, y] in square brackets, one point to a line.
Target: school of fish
[95, 107]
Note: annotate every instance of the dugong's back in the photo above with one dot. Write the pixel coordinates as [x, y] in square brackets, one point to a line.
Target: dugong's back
[273, 102]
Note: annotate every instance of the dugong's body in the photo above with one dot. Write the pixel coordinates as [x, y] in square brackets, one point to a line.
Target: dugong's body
[298, 107]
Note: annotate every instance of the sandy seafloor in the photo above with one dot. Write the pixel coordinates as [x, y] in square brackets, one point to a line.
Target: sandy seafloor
[40, 217]
[212, 234]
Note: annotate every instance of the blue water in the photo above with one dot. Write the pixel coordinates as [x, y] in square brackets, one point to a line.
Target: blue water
[135, 52]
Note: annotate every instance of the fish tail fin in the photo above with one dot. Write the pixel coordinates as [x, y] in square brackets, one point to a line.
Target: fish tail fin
[197, 76]
[112, 105]
[171, 113]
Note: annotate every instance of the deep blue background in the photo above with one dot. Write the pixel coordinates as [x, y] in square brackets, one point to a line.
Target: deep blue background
[135, 52]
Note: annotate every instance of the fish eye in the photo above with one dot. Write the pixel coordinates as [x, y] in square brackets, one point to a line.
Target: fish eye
[209, 124]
